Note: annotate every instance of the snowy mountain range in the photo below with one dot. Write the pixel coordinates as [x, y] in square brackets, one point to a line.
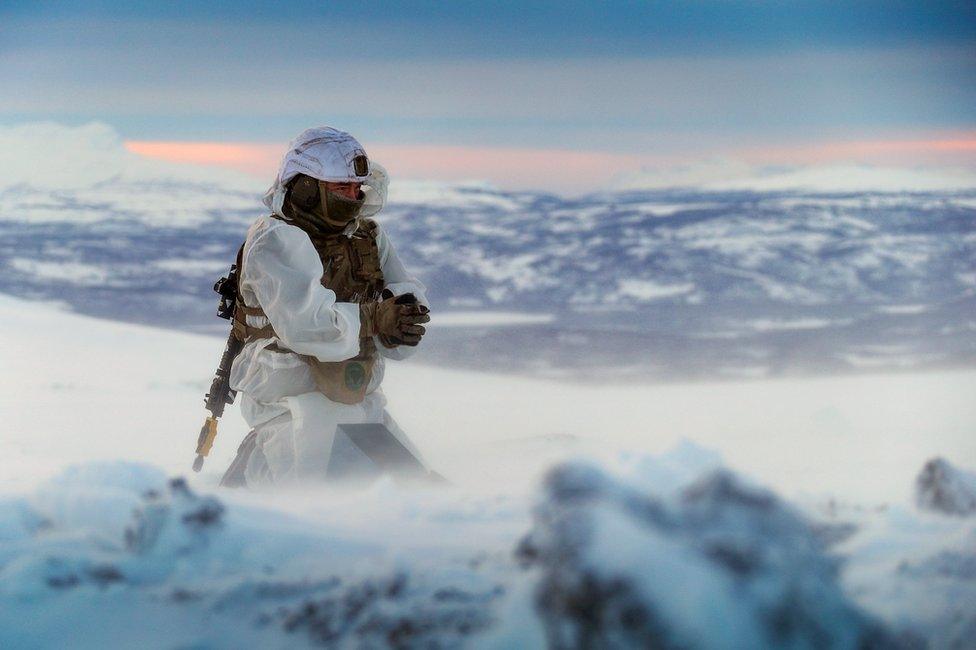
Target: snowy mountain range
[653, 283]
[657, 283]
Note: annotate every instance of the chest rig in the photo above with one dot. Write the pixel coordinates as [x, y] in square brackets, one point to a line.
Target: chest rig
[351, 269]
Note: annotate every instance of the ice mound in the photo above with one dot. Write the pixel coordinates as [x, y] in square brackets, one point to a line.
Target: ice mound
[126, 506]
[96, 500]
[722, 564]
[105, 546]
[101, 524]
[918, 570]
[392, 612]
[942, 487]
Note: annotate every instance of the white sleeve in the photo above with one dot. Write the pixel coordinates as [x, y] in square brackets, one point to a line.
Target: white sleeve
[284, 272]
[399, 281]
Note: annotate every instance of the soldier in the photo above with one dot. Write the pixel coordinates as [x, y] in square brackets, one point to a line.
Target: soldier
[323, 300]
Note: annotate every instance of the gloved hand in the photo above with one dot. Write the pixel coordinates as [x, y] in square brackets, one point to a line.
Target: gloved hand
[397, 321]
[412, 336]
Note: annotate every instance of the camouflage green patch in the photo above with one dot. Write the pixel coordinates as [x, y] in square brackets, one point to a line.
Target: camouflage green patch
[355, 375]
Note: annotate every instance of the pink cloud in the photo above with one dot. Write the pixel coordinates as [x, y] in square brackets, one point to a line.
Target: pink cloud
[507, 167]
[566, 171]
[959, 148]
[248, 157]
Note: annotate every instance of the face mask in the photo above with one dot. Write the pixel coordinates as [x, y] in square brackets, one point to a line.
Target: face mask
[335, 212]
[338, 210]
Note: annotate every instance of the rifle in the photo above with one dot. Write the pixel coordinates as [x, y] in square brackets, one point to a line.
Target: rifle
[220, 394]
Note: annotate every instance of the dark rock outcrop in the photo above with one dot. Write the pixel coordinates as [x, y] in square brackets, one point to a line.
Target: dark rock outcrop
[942, 487]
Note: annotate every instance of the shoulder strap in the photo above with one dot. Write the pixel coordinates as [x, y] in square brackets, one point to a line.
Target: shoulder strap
[242, 331]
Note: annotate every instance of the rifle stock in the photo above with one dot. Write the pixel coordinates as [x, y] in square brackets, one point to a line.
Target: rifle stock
[219, 396]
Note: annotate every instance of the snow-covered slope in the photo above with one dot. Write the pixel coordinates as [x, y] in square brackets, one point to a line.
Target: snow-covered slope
[76, 388]
[97, 545]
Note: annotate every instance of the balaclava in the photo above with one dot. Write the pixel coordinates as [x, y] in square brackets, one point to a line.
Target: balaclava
[307, 199]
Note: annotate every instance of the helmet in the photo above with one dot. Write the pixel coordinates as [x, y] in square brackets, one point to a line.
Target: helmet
[329, 154]
[326, 154]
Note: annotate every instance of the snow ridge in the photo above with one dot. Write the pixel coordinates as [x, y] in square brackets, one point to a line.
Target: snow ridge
[735, 282]
[725, 565]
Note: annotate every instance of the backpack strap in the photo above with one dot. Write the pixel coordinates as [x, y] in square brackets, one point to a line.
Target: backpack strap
[243, 331]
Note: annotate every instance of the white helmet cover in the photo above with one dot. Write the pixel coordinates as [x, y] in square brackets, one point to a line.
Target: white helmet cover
[329, 155]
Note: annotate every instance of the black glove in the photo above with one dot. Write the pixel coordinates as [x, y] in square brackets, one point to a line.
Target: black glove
[413, 314]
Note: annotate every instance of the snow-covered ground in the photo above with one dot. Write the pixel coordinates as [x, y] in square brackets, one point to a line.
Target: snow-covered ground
[633, 537]
[76, 388]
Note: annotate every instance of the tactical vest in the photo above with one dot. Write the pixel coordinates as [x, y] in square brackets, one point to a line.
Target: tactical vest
[351, 269]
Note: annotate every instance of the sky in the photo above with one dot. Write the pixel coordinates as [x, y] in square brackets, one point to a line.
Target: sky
[561, 96]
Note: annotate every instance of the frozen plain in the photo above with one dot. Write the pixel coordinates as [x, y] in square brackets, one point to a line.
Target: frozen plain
[77, 391]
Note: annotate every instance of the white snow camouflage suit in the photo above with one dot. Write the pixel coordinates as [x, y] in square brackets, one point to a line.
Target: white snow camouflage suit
[282, 273]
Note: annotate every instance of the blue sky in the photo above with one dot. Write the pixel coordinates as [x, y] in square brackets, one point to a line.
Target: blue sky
[568, 28]
[626, 78]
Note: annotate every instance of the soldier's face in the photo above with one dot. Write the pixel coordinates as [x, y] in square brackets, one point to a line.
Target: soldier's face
[347, 190]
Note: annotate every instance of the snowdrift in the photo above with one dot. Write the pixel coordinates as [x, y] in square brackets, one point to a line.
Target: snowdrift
[725, 565]
[117, 555]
